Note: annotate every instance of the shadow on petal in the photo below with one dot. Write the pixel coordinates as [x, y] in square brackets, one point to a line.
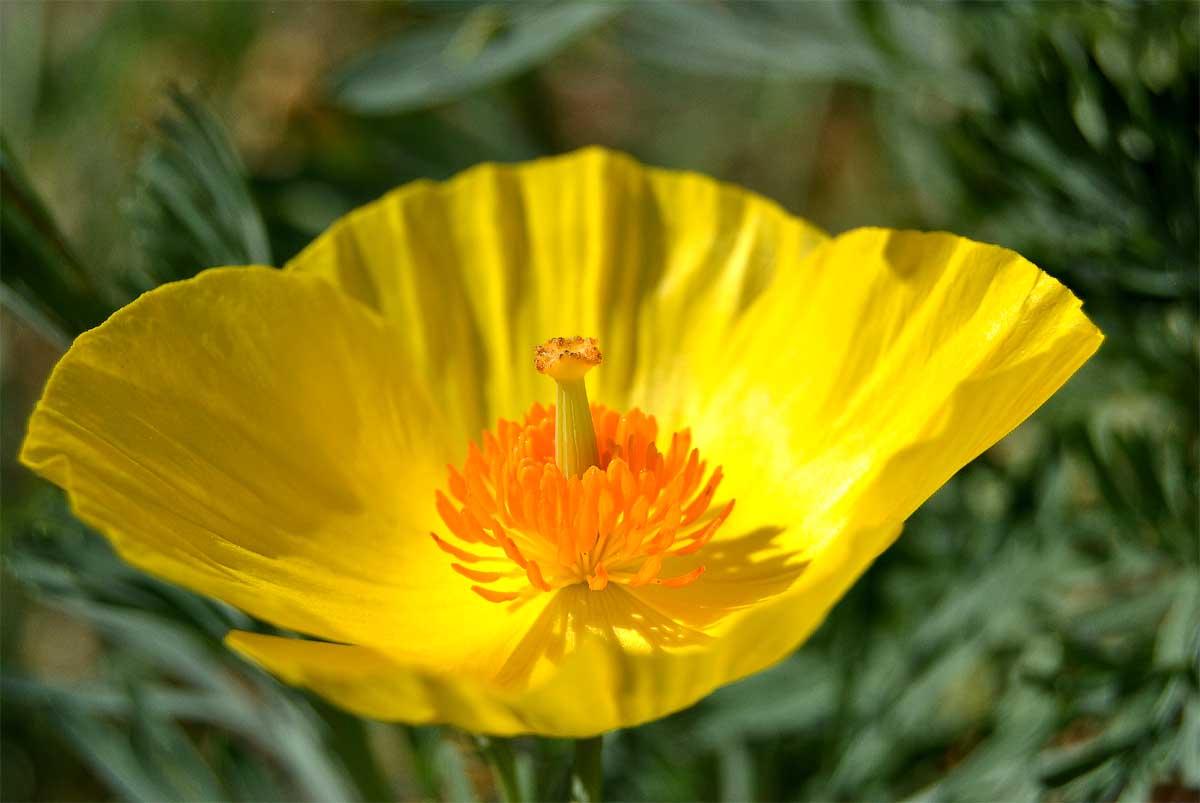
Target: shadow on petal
[577, 615]
[739, 572]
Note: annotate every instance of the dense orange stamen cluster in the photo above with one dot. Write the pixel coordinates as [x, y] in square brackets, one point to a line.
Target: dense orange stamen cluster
[527, 528]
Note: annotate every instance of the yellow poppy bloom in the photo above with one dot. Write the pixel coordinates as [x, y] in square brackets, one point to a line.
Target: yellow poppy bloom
[772, 404]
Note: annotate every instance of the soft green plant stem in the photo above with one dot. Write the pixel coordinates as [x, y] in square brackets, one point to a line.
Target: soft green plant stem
[499, 756]
[575, 436]
[587, 774]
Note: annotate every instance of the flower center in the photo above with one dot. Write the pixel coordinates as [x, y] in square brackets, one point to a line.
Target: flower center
[576, 493]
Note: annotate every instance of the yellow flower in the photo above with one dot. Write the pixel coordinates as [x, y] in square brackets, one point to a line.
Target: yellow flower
[280, 439]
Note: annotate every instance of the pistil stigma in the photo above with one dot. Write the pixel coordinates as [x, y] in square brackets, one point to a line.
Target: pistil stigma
[566, 360]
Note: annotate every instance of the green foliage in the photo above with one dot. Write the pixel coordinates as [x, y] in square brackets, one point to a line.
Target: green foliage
[41, 269]
[1035, 634]
[449, 59]
[192, 208]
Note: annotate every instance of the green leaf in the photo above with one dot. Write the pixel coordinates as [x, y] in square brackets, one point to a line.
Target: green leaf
[791, 41]
[192, 208]
[40, 266]
[798, 694]
[167, 670]
[450, 59]
[1189, 743]
[105, 748]
[806, 41]
[1178, 643]
[451, 768]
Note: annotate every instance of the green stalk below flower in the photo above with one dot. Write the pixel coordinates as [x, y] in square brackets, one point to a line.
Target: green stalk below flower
[587, 773]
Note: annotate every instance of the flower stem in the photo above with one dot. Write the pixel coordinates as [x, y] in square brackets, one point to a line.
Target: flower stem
[499, 756]
[587, 775]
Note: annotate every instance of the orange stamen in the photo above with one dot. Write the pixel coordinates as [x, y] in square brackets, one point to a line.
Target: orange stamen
[451, 549]
[495, 596]
[475, 574]
[598, 581]
[681, 580]
[616, 522]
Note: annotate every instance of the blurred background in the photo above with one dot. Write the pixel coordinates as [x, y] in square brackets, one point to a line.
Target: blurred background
[1034, 635]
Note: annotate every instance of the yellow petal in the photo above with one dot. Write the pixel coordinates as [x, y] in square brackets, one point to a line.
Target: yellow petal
[854, 388]
[851, 391]
[371, 684]
[656, 264]
[614, 660]
[597, 643]
[869, 374]
[256, 436]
